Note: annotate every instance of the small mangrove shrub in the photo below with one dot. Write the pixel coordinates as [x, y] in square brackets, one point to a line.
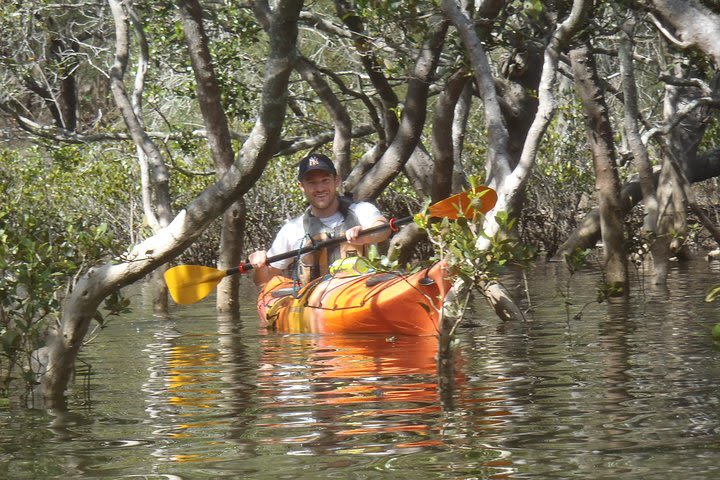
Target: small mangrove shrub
[456, 241]
[45, 241]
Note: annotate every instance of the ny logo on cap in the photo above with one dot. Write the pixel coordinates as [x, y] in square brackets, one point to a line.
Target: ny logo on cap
[313, 162]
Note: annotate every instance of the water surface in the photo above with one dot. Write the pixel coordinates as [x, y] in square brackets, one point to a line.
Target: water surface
[580, 390]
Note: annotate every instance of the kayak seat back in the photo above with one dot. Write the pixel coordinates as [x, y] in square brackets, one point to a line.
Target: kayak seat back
[380, 278]
[283, 292]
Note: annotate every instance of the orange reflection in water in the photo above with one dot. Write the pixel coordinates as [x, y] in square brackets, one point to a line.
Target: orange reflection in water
[356, 369]
[189, 367]
[188, 374]
[356, 387]
[364, 394]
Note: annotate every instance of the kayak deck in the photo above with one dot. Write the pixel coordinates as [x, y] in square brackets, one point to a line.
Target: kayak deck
[378, 302]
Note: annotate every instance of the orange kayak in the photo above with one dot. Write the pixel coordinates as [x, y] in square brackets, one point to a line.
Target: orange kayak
[386, 302]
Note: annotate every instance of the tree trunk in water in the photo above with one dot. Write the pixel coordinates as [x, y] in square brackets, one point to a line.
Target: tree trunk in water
[680, 149]
[657, 245]
[665, 221]
[155, 175]
[450, 317]
[58, 358]
[159, 288]
[607, 181]
[685, 128]
[220, 143]
[587, 234]
[231, 249]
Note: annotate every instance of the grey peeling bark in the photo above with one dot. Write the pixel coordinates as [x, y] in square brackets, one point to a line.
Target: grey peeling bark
[607, 182]
[220, 143]
[372, 67]
[154, 174]
[658, 246]
[412, 120]
[159, 176]
[692, 23]
[443, 141]
[58, 358]
[340, 116]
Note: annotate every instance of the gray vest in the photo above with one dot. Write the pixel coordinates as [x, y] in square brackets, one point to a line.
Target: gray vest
[315, 264]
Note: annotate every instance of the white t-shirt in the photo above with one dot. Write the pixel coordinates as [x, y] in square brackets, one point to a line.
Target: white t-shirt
[292, 235]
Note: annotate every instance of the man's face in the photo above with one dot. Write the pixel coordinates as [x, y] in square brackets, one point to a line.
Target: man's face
[319, 188]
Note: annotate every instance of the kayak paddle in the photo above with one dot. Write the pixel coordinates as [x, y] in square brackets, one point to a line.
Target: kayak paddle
[191, 283]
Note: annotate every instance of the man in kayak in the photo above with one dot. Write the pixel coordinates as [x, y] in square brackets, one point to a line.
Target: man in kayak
[328, 216]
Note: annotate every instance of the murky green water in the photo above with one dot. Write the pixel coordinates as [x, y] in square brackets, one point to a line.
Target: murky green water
[626, 391]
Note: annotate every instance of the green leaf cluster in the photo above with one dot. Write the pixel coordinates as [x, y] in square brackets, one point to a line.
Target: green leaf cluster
[456, 242]
[35, 264]
[49, 231]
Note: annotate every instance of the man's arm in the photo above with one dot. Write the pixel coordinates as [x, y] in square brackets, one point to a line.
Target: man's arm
[262, 272]
[354, 238]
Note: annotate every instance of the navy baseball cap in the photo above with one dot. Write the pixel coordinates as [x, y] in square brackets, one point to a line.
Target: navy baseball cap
[315, 161]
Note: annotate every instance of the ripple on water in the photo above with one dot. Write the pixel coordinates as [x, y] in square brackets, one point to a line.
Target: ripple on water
[625, 391]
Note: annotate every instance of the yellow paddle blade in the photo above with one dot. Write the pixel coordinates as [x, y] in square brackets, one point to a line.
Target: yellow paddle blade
[461, 204]
[191, 283]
